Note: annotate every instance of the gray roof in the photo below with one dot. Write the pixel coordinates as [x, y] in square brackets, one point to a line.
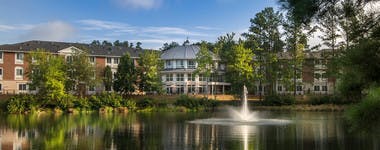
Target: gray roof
[54, 47]
[183, 52]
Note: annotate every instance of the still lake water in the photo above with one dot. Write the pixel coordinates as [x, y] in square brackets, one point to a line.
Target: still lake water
[308, 130]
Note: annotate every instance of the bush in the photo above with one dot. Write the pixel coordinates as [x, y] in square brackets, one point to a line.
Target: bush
[66, 102]
[277, 100]
[22, 103]
[83, 103]
[130, 104]
[365, 115]
[105, 99]
[327, 99]
[146, 102]
[195, 103]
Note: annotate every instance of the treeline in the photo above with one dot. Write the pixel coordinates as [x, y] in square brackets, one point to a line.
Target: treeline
[116, 43]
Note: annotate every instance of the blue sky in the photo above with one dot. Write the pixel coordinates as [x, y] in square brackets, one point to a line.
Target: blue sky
[153, 22]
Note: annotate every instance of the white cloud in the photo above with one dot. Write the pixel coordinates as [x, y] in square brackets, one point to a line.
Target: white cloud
[137, 4]
[206, 28]
[91, 24]
[15, 27]
[52, 31]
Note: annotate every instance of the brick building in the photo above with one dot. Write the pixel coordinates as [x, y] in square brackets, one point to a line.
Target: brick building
[13, 64]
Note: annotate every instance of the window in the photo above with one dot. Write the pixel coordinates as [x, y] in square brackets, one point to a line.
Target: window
[180, 89]
[190, 77]
[324, 88]
[22, 87]
[92, 59]
[1, 88]
[19, 73]
[1, 71]
[19, 56]
[202, 89]
[168, 64]
[191, 64]
[116, 61]
[169, 90]
[179, 64]
[202, 78]
[191, 89]
[109, 60]
[279, 88]
[169, 77]
[69, 58]
[316, 88]
[299, 88]
[91, 88]
[1, 57]
[180, 77]
[324, 76]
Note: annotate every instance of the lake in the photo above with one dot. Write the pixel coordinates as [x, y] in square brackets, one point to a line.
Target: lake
[173, 130]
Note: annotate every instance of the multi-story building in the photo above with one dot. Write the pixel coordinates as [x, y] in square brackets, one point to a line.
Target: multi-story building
[13, 64]
[178, 75]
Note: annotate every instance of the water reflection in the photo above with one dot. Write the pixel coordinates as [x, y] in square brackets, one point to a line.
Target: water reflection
[171, 131]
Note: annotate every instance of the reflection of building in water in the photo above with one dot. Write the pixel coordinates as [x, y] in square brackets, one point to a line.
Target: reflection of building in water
[13, 140]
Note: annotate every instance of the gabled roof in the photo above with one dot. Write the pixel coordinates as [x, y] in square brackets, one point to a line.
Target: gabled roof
[183, 52]
[55, 47]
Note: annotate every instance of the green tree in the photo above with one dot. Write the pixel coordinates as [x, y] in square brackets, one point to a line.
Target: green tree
[167, 46]
[149, 71]
[47, 75]
[204, 60]
[240, 70]
[138, 45]
[296, 42]
[126, 76]
[80, 72]
[107, 78]
[264, 33]
[117, 43]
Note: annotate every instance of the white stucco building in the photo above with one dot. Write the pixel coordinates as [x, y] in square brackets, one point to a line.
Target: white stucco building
[178, 75]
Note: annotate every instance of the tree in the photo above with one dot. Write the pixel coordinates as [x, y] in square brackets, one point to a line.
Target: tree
[95, 43]
[126, 76]
[167, 46]
[107, 78]
[47, 75]
[296, 42]
[80, 72]
[125, 44]
[149, 71]
[117, 43]
[240, 70]
[138, 45]
[131, 45]
[106, 43]
[264, 33]
[204, 60]
[186, 42]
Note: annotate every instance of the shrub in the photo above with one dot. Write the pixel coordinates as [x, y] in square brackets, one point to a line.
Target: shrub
[22, 103]
[83, 103]
[66, 102]
[105, 99]
[276, 100]
[328, 99]
[365, 115]
[195, 103]
[130, 104]
[146, 102]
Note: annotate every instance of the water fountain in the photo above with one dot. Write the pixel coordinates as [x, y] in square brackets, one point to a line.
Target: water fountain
[241, 116]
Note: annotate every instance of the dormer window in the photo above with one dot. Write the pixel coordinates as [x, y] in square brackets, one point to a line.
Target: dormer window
[19, 58]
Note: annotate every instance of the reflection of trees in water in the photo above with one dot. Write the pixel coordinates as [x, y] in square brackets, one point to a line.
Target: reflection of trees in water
[170, 131]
